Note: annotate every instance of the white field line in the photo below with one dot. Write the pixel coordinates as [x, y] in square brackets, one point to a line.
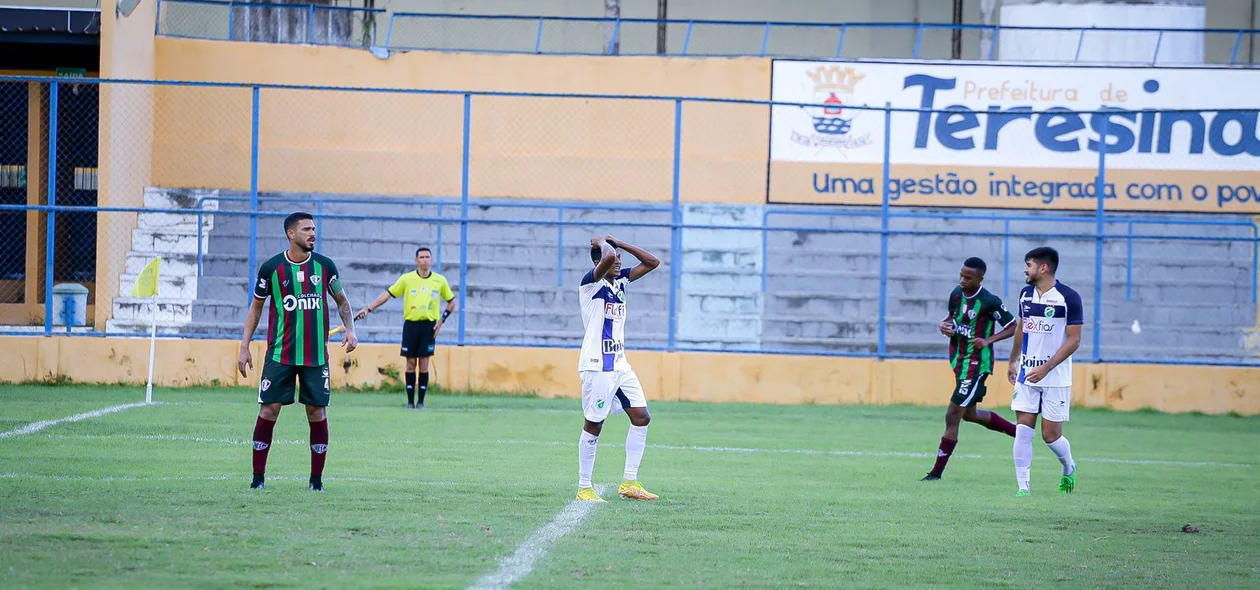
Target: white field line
[38, 426]
[698, 449]
[518, 565]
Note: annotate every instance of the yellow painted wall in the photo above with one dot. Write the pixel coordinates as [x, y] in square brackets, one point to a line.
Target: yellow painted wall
[390, 143]
[700, 377]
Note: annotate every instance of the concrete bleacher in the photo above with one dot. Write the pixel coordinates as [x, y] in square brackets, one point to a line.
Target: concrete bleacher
[1193, 299]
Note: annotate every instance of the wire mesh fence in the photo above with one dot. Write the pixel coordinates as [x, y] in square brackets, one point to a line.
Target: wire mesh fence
[507, 192]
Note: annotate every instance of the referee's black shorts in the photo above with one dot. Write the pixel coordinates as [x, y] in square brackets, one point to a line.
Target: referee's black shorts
[417, 339]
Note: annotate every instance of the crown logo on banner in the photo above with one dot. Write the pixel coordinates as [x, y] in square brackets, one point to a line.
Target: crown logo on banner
[835, 78]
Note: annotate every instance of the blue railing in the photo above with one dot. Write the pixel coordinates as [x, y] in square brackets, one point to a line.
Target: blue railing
[535, 39]
[567, 35]
[1109, 226]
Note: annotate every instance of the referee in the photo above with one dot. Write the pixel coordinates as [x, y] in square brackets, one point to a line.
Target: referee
[420, 291]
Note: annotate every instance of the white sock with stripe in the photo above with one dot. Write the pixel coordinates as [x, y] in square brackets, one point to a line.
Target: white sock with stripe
[1023, 454]
[636, 441]
[1063, 450]
[586, 458]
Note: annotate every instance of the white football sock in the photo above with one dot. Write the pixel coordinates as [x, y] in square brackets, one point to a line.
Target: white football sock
[1023, 454]
[1063, 450]
[636, 441]
[586, 458]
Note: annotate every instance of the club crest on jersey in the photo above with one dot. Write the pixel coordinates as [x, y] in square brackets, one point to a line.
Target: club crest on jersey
[971, 314]
[1049, 311]
[316, 279]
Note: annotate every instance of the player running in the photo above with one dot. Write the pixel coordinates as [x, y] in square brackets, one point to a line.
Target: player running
[608, 382]
[298, 282]
[974, 315]
[422, 321]
[1041, 365]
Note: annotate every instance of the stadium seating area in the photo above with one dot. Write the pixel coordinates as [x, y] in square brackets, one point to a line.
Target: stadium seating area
[821, 276]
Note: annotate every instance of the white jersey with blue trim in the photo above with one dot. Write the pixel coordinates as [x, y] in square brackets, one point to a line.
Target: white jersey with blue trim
[604, 321]
[1044, 318]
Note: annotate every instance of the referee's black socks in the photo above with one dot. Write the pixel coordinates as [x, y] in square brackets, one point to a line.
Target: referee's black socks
[411, 387]
[424, 388]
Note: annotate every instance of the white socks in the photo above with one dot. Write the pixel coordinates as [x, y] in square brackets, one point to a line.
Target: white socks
[1063, 450]
[636, 441]
[586, 458]
[1023, 453]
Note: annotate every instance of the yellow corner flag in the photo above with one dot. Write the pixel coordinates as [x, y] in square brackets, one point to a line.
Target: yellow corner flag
[147, 282]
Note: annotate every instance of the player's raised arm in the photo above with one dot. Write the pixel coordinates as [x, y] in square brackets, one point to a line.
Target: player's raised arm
[607, 256]
[647, 262]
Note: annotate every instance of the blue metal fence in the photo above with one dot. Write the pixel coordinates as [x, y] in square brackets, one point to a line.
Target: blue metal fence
[670, 219]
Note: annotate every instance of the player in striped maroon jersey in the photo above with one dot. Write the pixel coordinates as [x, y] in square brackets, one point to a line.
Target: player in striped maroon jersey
[298, 281]
[977, 319]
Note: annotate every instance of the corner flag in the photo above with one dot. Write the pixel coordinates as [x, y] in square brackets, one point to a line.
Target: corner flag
[147, 282]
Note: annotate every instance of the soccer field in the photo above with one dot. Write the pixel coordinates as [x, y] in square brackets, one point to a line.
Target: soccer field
[751, 496]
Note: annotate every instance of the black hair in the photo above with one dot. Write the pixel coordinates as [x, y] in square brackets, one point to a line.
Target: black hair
[292, 220]
[423, 249]
[976, 264]
[597, 252]
[1044, 255]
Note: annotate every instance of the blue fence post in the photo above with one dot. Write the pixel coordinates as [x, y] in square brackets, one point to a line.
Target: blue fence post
[1255, 262]
[50, 246]
[157, 20]
[765, 251]
[560, 247]
[1006, 260]
[389, 32]
[840, 41]
[882, 348]
[616, 37]
[200, 235]
[918, 40]
[463, 217]
[765, 40]
[1158, 41]
[675, 248]
[1233, 55]
[310, 25]
[231, 30]
[538, 37]
[687, 37]
[253, 183]
[1128, 266]
[1079, 42]
[1100, 186]
[997, 34]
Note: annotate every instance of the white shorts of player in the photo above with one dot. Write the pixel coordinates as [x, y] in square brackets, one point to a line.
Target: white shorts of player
[1053, 403]
[612, 391]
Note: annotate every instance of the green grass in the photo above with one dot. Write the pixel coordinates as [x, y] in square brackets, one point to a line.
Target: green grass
[751, 496]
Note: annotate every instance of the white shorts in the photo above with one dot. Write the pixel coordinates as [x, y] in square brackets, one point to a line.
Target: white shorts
[613, 391]
[1053, 403]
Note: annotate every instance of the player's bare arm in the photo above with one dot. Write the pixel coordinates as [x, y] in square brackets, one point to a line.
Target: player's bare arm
[608, 256]
[947, 327]
[252, 317]
[647, 262]
[1012, 369]
[350, 341]
[1006, 332]
[380, 300]
[1070, 344]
